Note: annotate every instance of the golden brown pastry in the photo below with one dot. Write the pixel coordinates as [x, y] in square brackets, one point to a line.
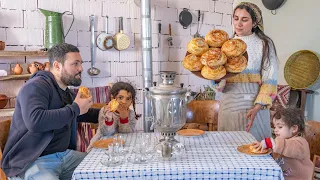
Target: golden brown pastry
[213, 73]
[216, 37]
[234, 47]
[192, 63]
[257, 151]
[113, 105]
[84, 92]
[197, 46]
[213, 57]
[236, 64]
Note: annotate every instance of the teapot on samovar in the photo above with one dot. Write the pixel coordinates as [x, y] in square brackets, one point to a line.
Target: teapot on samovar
[168, 112]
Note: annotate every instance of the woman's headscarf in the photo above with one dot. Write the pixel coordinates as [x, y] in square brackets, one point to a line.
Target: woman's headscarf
[257, 13]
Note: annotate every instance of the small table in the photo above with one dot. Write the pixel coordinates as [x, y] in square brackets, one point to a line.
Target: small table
[212, 155]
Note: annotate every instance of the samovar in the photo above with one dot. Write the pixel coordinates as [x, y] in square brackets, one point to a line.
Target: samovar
[168, 110]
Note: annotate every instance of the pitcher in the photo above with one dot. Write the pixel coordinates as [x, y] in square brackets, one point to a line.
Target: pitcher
[54, 33]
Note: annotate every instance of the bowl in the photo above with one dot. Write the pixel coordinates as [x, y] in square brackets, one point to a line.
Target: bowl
[3, 101]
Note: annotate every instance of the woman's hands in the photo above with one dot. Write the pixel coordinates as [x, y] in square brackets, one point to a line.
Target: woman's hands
[251, 115]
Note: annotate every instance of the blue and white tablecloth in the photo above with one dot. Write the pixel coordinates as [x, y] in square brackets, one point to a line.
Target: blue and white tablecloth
[213, 155]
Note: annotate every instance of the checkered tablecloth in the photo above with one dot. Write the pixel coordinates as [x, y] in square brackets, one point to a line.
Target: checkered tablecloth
[213, 155]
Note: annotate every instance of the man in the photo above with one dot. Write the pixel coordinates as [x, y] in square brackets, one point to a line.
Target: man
[42, 135]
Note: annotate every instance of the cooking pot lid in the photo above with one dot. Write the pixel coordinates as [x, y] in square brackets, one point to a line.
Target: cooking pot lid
[272, 4]
[185, 18]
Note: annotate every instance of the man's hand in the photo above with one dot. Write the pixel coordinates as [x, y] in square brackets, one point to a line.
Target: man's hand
[84, 104]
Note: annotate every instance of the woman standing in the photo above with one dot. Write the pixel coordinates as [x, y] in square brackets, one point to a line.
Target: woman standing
[248, 96]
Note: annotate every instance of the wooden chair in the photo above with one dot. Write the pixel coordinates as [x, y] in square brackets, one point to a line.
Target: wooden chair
[316, 162]
[312, 135]
[203, 112]
[4, 132]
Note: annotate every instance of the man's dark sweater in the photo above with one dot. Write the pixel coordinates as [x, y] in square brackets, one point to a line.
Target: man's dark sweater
[39, 112]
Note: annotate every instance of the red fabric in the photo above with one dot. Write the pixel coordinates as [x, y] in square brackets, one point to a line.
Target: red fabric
[268, 143]
[124, 121]
[108, 123]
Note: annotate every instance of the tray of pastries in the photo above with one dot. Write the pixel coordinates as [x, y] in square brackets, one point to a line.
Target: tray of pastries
[216, 57]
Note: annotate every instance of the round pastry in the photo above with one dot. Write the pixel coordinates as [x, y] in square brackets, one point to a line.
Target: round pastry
[236, 64]
[84, 92]
[192, 63]
[216, 37]
[213, 57]
[197, 46]
[213, 73]
[234, 47]
[257, 151]
[113, 105]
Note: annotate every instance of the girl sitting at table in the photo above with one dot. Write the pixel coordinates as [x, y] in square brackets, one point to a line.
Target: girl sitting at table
[117, 116]
[293, 149]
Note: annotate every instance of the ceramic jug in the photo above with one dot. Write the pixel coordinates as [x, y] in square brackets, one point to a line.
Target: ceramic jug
[17, 70]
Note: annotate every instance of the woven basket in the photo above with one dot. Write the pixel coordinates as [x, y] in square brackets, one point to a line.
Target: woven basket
[302, 69]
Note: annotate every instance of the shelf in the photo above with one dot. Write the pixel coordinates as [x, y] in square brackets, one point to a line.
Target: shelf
[6, 112]
[15, 77]
[23, 53]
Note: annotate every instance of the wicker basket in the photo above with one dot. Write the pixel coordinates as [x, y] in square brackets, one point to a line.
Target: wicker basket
[302, 69]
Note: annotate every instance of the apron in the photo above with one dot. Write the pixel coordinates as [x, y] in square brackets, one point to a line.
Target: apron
[236, 101]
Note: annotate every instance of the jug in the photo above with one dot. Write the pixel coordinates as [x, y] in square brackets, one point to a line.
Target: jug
[54, 33]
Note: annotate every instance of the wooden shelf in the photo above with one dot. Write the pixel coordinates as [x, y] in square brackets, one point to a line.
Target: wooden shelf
[6, 112]
[15, 77]
[23, 53]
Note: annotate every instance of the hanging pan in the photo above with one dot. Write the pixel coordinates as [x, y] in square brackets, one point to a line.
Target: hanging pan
[105, 41]
[302, 69]
[185, 18]
[121, 40]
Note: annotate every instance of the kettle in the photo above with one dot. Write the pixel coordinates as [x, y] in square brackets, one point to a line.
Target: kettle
[54, 33]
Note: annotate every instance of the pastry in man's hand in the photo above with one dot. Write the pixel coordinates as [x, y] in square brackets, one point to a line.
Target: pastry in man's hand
[192, 63]
[216, 38]
[213, 57]
[236, 64]
[113, 105]
[84, 92]
[234, 47]
[213, 73]
[197, 46]
[257, 151]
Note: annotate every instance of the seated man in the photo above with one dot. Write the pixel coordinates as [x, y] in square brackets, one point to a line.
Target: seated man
[42, 135]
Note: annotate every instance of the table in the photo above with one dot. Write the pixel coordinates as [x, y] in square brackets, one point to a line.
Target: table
[212, 155]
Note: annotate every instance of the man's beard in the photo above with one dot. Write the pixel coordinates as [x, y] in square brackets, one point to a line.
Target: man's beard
[70, 80]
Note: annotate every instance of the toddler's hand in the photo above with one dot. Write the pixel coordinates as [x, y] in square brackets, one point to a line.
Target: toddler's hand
[258, 146]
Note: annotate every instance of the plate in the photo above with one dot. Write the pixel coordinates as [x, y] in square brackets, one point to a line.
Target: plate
[228, 75]
[246, 150]
[103, 143]
[190, 132]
